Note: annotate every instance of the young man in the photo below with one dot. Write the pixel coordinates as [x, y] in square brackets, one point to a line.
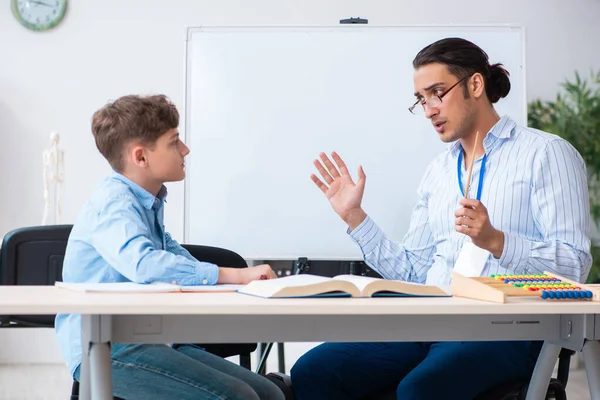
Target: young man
[120, 237]
[530, 211]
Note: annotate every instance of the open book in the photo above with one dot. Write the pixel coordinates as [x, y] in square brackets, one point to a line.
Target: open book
[306, 285]
[131, 287]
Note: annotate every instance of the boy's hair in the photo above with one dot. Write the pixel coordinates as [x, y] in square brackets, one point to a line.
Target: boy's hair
[132, 119]
[463, 58]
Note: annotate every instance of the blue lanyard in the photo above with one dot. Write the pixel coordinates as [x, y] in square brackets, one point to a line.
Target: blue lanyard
[481, 173]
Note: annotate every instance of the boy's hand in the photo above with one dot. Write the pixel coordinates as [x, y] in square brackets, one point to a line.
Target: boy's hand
[256, 273]
[244, 276]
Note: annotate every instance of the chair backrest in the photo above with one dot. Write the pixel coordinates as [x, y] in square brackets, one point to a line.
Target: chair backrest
[223, 258]
[33, 256]
[216, 255]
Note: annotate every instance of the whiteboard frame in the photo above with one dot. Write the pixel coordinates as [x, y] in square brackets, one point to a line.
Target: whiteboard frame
[190, 31]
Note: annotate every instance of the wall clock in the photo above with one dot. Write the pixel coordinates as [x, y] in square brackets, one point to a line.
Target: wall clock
[39, 15]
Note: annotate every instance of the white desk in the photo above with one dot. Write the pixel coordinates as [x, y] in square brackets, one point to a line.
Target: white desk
[229, 317]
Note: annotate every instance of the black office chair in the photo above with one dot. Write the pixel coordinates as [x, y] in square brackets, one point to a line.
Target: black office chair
[34, 256]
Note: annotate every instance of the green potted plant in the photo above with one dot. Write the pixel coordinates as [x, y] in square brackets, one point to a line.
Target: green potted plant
[575, 116]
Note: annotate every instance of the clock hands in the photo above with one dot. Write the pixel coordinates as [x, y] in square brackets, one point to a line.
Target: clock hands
[37, 3]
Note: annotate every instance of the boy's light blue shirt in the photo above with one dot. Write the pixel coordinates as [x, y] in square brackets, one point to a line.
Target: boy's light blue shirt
[120, 237]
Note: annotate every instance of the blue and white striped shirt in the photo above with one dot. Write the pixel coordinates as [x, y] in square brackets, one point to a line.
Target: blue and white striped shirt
[535, 191]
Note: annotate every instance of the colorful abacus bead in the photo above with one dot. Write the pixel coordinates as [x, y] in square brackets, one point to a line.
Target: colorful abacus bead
[566, 294]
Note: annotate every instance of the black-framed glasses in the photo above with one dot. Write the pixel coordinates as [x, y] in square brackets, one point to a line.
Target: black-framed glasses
[433, 101]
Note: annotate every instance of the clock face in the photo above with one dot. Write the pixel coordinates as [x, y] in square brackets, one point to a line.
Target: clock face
[39, 15]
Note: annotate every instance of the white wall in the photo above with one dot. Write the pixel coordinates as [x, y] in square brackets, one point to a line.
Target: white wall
[107, 48]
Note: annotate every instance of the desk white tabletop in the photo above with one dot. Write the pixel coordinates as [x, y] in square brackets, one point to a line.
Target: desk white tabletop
[51, 300]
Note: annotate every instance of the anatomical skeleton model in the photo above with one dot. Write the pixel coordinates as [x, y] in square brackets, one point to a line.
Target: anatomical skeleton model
[54, 177]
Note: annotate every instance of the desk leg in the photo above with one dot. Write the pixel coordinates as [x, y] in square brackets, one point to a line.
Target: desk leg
[95, 371]
[591, 358]
[84, 369]
[543, 372]
[100, 371]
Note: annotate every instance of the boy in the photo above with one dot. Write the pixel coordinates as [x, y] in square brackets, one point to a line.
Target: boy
[120, 237]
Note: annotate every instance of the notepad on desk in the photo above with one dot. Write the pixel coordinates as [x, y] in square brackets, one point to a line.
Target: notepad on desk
[306, 285]
[132, 287]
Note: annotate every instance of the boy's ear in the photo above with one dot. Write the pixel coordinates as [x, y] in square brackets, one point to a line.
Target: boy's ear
[138, 155]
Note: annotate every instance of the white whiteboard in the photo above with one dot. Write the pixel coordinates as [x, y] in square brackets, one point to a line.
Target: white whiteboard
[261, 103]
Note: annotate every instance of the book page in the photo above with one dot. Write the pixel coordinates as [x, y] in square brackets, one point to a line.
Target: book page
[269, 287]
[360, 282]
[119, 287]
[377, 284]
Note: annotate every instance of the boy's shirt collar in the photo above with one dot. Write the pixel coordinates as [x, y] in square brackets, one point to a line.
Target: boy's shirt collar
[147, 199]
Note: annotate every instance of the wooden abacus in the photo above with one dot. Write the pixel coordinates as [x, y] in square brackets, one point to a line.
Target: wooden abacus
[497, 288]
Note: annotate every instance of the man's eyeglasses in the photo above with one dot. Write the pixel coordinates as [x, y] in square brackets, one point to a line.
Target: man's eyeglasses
[433, 101]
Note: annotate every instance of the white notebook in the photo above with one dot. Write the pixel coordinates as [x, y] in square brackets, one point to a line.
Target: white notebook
[131, 287]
